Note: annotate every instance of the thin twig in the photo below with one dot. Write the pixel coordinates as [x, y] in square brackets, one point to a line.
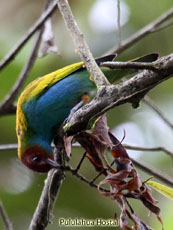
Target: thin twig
[119, 22]
[148, 29]
[8, 147]
[157, 148]
[147, 169]
[80, 162]
[81, 45]
[82, 178]
[27, 68]
[97, 176]
[24, 74]
[101, 173]
[159, 175]
[149, 102]
[130, 65]
[163, 26]
[11, 55]
[131, 147]
[7, 223]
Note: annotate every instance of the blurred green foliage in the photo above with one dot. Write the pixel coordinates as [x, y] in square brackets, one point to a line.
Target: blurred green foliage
[21, 189]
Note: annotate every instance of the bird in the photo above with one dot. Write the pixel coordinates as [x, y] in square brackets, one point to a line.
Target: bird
[46, 103]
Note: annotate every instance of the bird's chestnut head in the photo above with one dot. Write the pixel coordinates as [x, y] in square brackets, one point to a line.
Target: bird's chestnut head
[38, 160]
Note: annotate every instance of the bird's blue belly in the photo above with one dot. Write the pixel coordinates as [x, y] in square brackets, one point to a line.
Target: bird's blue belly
[53, 107]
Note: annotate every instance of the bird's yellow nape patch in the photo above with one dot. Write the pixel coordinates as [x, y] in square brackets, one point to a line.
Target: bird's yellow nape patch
[36, 87]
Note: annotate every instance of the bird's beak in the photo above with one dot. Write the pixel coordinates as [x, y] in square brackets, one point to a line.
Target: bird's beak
[52, 163]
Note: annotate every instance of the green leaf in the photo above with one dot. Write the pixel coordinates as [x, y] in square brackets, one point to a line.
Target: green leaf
[163, 189]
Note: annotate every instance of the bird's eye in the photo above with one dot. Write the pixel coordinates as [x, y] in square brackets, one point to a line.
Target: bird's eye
[36, 159]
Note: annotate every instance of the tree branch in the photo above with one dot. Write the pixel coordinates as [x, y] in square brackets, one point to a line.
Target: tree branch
[82, 178]
[130, 65]
[24, 74]
[42, 215]
[149, 102]
[47, 200]
[81, 45]
[152, 27]
[7, 223]
[118, 22]
[8, 147]
[11, 55]
[131, 91]
[8, 101]
[157, 148]
[108, 97]
[11, 109]
[159, 175]
[127, 146]
[131, 147]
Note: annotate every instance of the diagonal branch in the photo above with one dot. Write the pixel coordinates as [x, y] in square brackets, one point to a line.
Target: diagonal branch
[24, 74]
[148, 169]
[82, 178]
[149, 102]
[45, 207]
[47, 200]
[80, 43]
[11, 55]
[7, 223]
[152, 27]
[132, 90]
[6, 104]
[159, 175]
[11, 109]
[110, 96]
